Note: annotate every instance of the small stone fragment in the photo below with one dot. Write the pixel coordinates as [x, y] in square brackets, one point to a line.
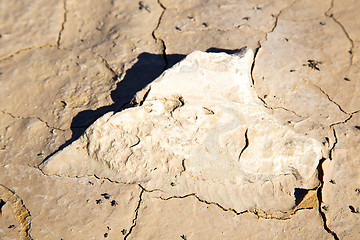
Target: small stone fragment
[12, 226]
[114, 203]
[106, 195]
[143, 5]
[353, 210]
[313, 64]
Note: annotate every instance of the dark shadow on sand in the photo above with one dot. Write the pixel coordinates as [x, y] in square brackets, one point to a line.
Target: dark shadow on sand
[143, 72]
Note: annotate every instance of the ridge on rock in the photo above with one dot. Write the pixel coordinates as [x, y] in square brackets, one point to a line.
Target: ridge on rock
[201, 129]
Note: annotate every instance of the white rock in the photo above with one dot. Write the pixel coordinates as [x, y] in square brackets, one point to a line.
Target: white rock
[201, 129]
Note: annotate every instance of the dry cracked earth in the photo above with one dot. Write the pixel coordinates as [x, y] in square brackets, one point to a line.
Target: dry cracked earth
[63, 64]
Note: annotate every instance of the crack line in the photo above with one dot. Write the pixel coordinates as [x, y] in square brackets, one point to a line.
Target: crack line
[107, 65]
[283, 108]
[277, 18]
[62, 24]
[331, 15]
[260, 46]
[136, 214]
[332, 149]
[320, 171]
[258, 212]
[342, 122]
[246, 144]
[25, 49]
[327, 95]
[159, 39]
[24, 118]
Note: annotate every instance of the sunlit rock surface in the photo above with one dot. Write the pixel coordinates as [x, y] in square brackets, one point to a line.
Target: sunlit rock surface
[199, 128]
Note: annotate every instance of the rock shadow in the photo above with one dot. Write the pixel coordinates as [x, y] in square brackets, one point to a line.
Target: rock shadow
[147, 68]
[299, 194]
[228, 51]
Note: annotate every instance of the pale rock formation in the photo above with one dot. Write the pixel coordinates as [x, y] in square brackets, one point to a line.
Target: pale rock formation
[201, 129]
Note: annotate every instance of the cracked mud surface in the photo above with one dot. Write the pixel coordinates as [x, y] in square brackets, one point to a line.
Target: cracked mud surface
[63, 65]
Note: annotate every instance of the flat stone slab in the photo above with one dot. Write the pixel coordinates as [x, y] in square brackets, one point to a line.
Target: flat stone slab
[199, 128]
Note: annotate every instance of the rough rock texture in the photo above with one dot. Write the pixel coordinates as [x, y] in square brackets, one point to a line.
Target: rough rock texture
[203, 128]
[123, 45]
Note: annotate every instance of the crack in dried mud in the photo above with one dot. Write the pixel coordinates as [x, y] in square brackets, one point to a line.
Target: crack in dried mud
[62, 24]
[320, 172]
[283, 108]
[342, 122]
[163, 46]
[332, 149]
[107, 65]
[22, 214]
[26, 49]
[328, 97]
[257, 50]
[319, 196]
[277, 215]
[24, 118]
[277, 18]
[246, 144]
[331, 15]
[136, 214]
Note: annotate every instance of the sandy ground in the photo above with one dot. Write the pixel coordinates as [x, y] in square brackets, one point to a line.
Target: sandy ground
[63, 64]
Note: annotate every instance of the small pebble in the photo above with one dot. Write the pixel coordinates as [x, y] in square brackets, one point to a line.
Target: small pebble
[106, 195]
[12, 226]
